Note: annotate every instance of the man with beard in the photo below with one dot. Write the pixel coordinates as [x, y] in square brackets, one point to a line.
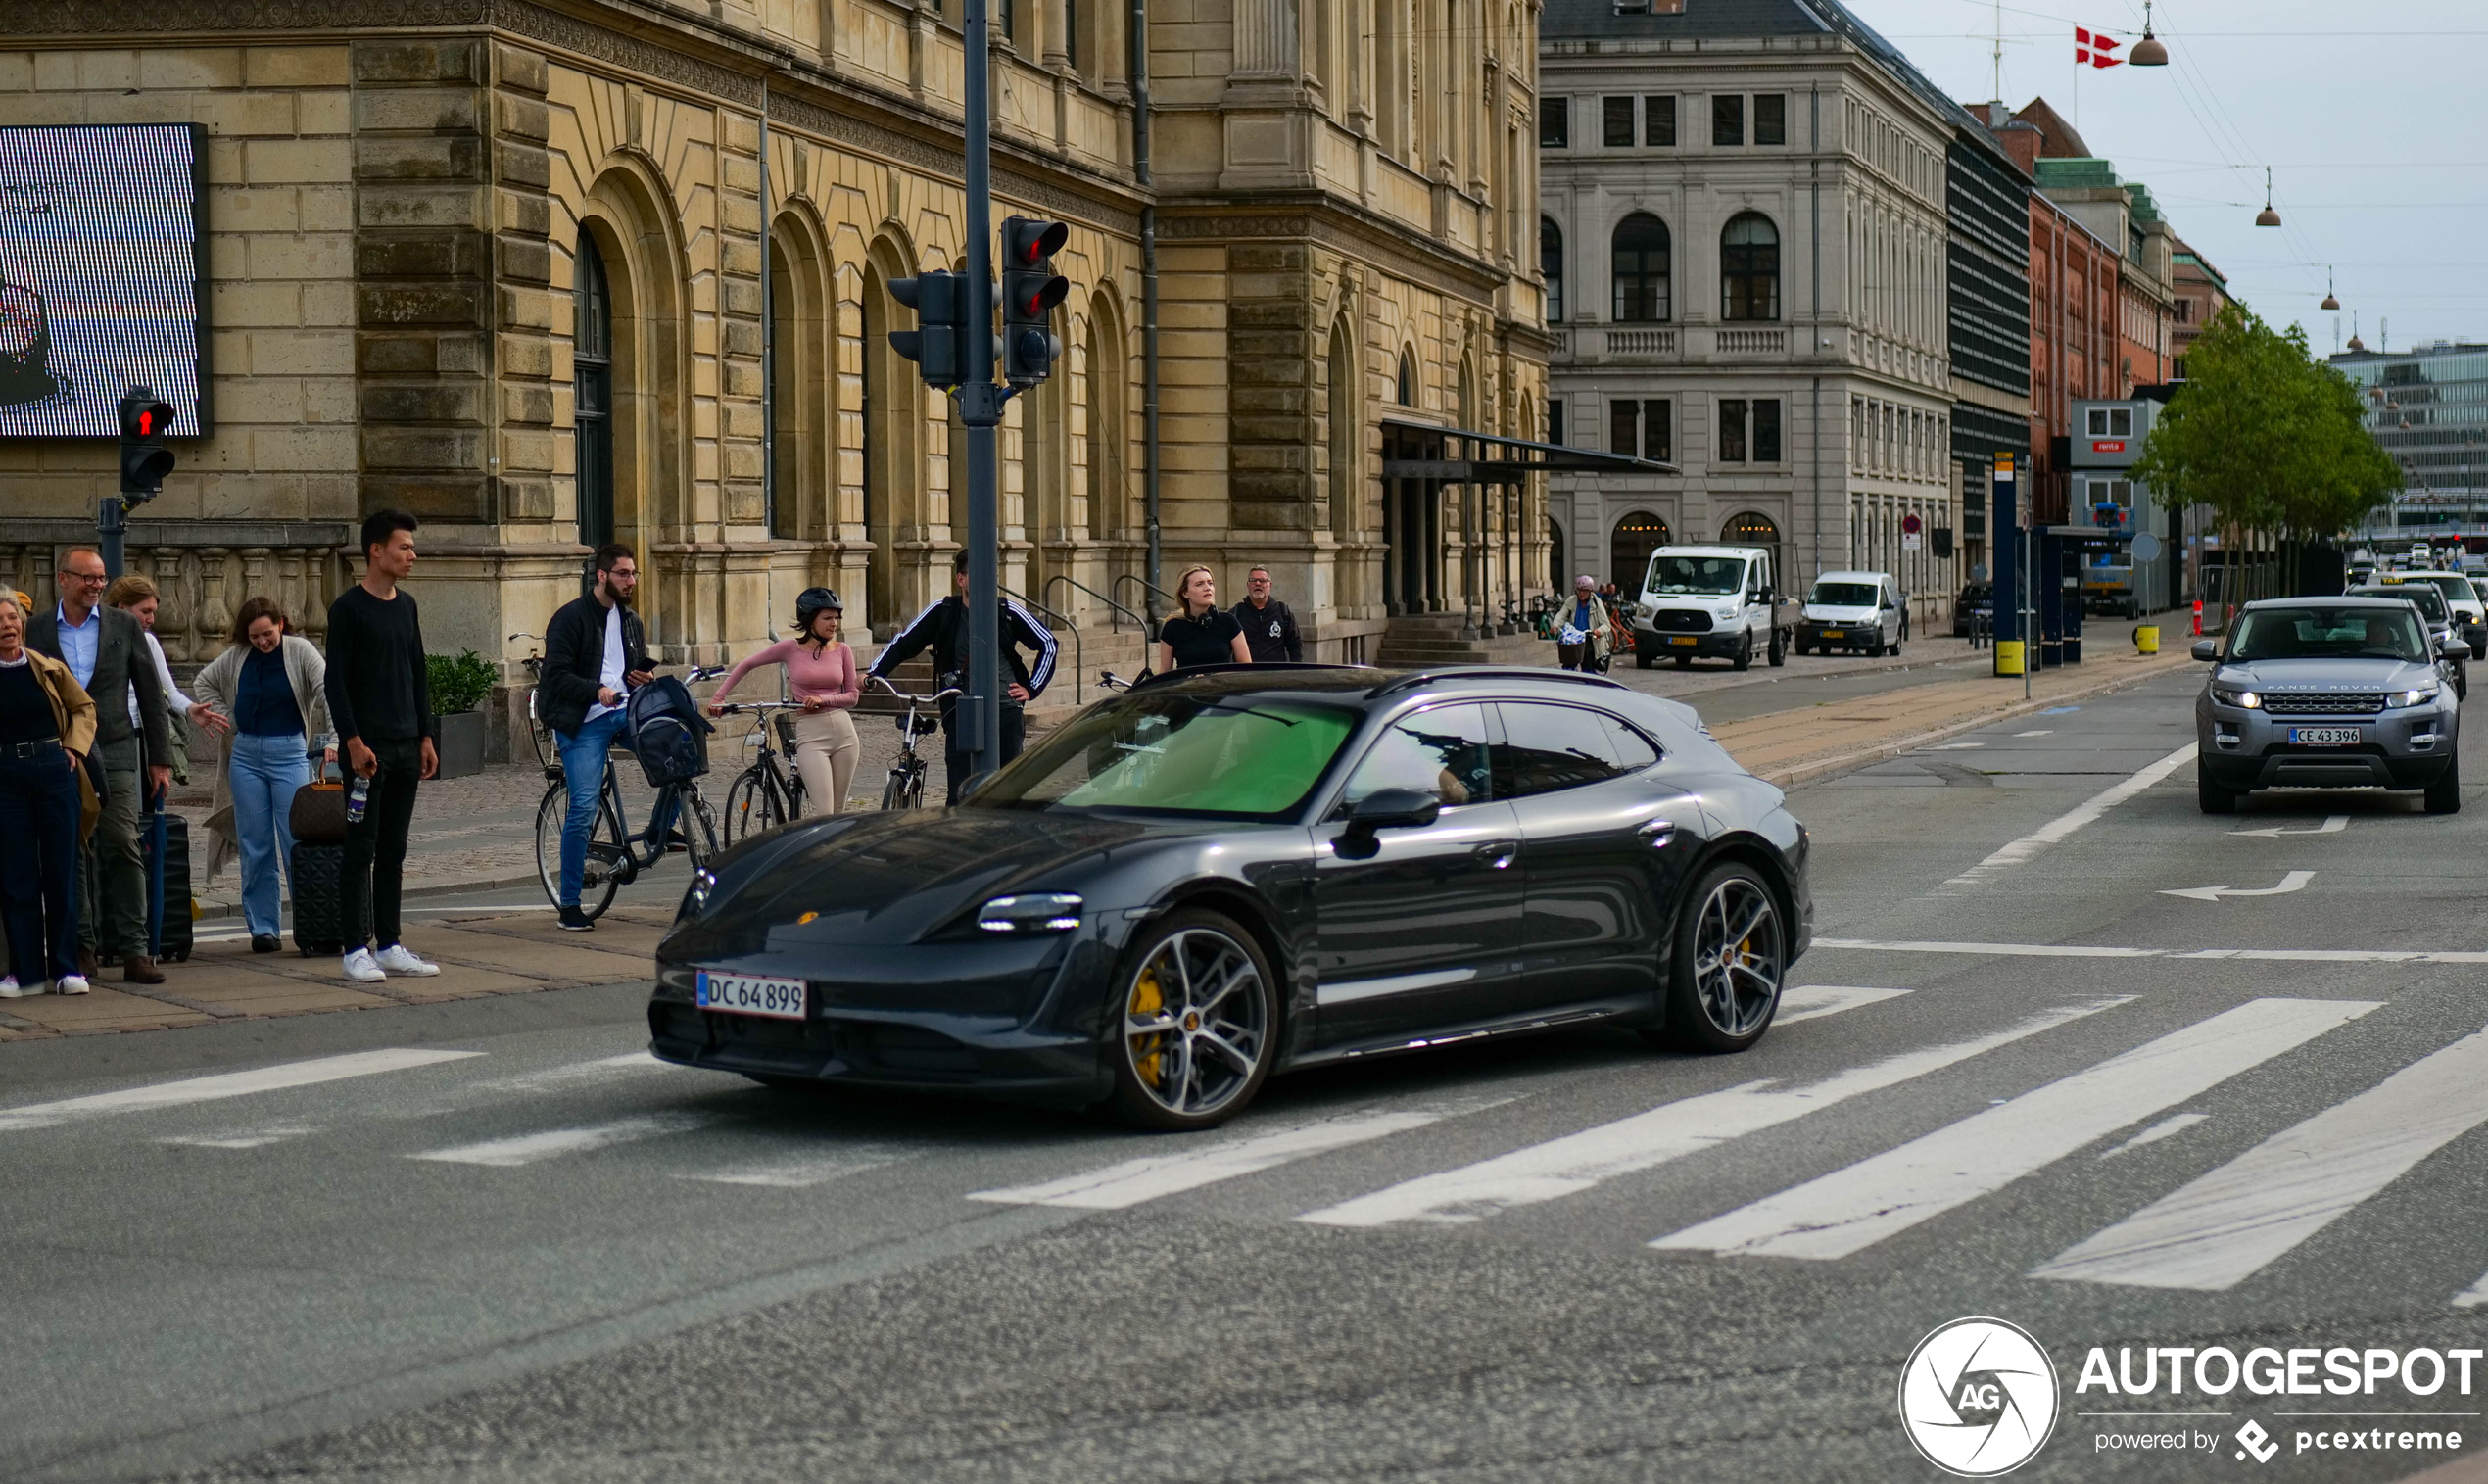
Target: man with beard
[595, 651]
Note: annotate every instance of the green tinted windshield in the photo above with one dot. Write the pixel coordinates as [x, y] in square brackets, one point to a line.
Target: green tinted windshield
[1236, 756]
[2314, 633]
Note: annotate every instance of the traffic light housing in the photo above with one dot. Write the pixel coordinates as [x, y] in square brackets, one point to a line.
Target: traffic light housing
[937, 343]
[144, 458]
[1031, 288]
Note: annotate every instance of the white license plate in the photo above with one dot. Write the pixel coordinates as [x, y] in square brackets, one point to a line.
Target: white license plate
[2323, 737]
[1685, 639]
[748, 994]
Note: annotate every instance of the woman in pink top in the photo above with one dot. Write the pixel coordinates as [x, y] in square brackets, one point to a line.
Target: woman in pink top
[821, 675]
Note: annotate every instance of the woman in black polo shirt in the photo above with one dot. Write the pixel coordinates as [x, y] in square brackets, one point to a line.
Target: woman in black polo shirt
[1203, 634]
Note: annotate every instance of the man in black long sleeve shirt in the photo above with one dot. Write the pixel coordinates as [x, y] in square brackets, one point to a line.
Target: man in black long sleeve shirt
[1269, 630]
[381, 701]
[945, 627]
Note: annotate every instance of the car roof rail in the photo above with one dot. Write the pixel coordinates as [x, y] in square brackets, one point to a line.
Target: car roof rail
[1492, 672]
[1228, 667]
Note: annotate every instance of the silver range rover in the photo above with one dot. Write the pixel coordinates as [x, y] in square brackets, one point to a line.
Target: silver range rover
[2328, 693]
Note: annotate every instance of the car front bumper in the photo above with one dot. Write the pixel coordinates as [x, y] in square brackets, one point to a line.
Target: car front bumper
[1811, 632]
[2405, 749]
[1716, 644]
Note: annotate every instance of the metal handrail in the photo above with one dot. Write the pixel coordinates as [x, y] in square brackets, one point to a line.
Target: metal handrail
[1079, 662]
[1147, 586]
[1137, 621]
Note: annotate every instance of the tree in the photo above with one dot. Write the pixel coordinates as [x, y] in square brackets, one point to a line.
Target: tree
[2271, 441]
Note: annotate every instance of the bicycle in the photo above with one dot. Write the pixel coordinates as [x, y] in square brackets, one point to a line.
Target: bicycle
[548, 754]
[614, 860]
[906, 786]
[770, 791]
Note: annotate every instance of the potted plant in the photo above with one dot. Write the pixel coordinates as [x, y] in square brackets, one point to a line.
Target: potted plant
[460, 688]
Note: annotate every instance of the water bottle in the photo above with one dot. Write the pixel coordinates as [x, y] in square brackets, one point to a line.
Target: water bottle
[357, 795]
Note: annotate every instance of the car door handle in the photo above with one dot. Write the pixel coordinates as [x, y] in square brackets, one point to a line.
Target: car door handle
[1656, 833]
[1496, 854]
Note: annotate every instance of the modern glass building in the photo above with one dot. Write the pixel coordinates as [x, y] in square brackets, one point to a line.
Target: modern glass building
[2429, 409]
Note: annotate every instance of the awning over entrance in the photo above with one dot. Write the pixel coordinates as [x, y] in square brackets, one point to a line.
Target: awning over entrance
[1458, 456]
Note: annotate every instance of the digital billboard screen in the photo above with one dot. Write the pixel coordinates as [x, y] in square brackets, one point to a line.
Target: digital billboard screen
[103, 258]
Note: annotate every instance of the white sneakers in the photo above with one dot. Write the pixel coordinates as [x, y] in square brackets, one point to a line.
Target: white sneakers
[395, 959]
[363, 967]
[11, 989]
[69, 983]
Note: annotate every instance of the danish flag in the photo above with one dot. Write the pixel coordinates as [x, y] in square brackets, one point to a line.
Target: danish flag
[2094, 47]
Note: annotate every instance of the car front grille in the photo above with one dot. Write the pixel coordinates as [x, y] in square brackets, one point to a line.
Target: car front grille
[1680, 621]
[2324, 704]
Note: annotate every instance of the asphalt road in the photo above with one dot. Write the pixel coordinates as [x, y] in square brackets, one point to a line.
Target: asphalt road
[2034, 1086]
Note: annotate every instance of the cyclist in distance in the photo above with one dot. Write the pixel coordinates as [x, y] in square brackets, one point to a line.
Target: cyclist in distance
[595, 651]
[822, 675]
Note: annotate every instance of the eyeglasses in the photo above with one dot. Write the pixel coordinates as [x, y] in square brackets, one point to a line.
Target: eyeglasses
[93, 577]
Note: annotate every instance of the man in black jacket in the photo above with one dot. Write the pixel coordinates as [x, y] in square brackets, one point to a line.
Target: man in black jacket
[943, 628]
[107, 651]
[594, 652]
[1269, 630]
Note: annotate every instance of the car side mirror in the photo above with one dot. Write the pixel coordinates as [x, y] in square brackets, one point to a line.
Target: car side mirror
[975, 782]
[2207, 650]
[2453, 648]
[1384, 810]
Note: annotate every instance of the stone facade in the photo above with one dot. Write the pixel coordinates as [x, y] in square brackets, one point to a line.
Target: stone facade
[438, 225]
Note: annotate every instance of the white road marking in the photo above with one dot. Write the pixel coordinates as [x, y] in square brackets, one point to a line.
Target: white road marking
[2223, 1228]
[1855, 1207]
[2014, 852]
[547, 1078]
[2294, 881]
[802, 1171]
[528, 1148]
[2041, 731]
[225, 1084]
[1132, 1182]
[1806, 1003]
[1951, 746]
[2176, 1123]
[2473, 1297]
[2334, 824]
[1580, 1160]
[249, 1139]
[2088, 950]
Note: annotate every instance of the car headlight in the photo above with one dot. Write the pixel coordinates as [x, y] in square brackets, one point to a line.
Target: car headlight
[2419, 697]
[2246, 700]
[695, 899]
[1727, 611]
[1038, 912]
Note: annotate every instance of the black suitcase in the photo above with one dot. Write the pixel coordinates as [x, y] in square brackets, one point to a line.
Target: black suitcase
[176, 913]
[319, 878]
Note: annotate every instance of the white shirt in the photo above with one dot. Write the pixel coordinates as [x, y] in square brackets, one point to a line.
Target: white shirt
[175, 701]
[610, 677]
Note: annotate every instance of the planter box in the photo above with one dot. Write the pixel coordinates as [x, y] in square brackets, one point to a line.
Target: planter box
[462, 743]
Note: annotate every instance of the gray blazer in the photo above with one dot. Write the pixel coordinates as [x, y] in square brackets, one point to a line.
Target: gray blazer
[123, 668]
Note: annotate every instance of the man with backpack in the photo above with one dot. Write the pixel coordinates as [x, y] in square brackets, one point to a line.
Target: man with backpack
[380, 701]
[595, 652]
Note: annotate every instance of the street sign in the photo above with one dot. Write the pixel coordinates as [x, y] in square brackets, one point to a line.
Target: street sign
[1911, 541]
[2146, 547]
[1911, 525]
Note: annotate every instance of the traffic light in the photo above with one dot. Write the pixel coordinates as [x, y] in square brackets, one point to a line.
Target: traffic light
[939, 300]
[1031, 288]
[144, 458]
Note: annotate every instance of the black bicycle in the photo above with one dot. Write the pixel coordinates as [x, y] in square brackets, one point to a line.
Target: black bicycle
[906, 786]
[770, 791]
[615, 858]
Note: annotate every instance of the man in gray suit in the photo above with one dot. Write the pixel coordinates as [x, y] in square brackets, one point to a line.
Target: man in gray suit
[107, 651]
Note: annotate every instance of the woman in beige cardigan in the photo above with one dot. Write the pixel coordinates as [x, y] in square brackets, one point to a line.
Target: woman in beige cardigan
[270, 685]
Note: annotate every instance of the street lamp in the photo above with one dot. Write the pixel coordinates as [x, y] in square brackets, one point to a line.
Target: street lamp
[2329, 303]
[2150, 50]
[2268, 216]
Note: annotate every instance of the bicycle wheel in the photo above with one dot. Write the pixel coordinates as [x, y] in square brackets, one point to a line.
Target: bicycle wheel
[751, 805]
[699, 827]
[596, 881]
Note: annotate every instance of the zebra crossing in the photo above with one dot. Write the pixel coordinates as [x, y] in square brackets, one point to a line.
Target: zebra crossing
[2208, 1230]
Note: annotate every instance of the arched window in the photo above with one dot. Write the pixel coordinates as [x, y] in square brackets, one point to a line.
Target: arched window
[1639, 269]
[1551, 263]
[1404, 394]
[1629, 548]
[1750, 528]
[591, 354]
[1750, 268]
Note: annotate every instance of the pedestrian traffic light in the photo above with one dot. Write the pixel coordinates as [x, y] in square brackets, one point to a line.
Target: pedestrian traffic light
[1031, 288]
[144, 458]
[935, 345]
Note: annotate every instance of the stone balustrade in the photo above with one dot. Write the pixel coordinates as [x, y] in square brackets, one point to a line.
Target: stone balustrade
[202, 570]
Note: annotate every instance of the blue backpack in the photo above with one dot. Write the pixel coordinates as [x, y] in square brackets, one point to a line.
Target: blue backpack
[668, 735]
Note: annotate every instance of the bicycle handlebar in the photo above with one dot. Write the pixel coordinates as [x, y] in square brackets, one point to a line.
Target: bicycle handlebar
[935, 699]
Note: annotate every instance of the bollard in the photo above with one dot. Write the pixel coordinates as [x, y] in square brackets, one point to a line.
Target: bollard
[2198, 618]
[2008, 656]
[2146, 638]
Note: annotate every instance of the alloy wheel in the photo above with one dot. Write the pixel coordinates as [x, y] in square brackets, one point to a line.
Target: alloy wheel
[1738, 957]
[1196, 1022]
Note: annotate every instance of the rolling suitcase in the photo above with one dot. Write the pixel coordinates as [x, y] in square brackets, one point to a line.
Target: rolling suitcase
[172, 913]
[319, 878]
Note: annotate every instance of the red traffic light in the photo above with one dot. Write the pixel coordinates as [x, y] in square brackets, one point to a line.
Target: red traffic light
[145, 417]
[1026, 243]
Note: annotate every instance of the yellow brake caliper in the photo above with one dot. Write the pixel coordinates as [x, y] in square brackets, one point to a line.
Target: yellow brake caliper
[1147, 999]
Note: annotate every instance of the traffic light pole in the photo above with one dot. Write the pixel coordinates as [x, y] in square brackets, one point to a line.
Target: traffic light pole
[980, 410]
[111, 522]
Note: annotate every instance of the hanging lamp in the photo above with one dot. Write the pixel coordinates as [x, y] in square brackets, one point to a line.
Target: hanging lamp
[2150, 50]
[2329, 303]
[2268, 216]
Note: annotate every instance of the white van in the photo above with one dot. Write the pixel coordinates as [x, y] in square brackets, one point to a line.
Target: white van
[1720, 601]
[1853, 610]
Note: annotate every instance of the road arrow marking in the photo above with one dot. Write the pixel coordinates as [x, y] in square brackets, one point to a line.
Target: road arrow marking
[2295, 880]
[2334, 825]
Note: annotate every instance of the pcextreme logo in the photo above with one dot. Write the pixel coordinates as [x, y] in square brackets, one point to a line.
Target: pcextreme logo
[1979, 1397]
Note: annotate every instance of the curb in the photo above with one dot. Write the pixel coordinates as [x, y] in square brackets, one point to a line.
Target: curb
[1795, 773]
[211, 910]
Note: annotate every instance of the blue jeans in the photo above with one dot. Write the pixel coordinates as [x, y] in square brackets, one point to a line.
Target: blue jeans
[267, 770]
[583, 769]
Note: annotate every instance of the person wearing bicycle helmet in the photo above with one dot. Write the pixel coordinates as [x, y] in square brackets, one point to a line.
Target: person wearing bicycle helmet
[822, 678]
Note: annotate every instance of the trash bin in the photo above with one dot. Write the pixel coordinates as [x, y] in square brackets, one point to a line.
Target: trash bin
[2008, 656]
[2146, 638]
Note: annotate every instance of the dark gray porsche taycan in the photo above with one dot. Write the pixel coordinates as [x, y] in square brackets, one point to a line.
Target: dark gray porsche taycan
[1235, 872]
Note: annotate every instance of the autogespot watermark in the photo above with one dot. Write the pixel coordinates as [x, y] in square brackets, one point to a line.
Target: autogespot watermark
[1979, 1397]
